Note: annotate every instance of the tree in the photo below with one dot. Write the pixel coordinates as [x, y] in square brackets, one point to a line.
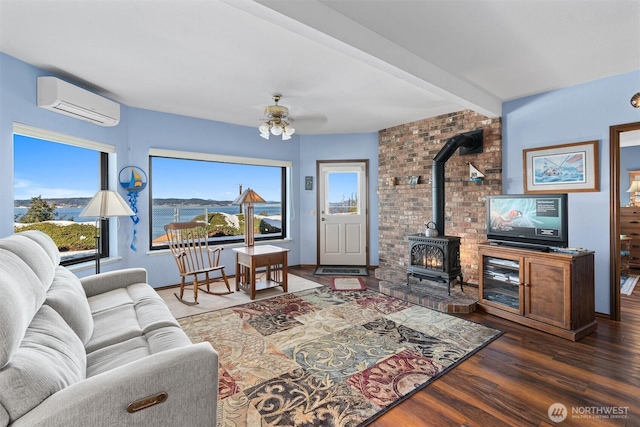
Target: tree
[40, 210]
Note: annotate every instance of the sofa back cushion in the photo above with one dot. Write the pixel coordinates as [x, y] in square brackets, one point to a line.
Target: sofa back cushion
[45, 242]
[33, 254]
[21, 295]
[66, 296]
[50, 358]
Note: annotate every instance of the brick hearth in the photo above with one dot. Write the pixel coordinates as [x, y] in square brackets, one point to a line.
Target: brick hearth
[427, 293]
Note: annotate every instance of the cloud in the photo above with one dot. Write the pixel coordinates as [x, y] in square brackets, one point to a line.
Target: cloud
[26, 189]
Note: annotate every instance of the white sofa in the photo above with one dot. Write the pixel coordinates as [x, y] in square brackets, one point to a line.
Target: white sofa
[99, 351]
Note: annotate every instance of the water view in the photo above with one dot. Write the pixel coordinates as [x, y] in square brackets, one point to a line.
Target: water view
[165, 214]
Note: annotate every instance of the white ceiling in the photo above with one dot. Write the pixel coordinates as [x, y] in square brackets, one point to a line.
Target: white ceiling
[341, 66]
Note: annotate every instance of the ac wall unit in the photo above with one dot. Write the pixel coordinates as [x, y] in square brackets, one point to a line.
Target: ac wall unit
[64, 98]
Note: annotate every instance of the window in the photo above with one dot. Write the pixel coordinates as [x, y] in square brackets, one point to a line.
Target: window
[201, 187]
[55, 176]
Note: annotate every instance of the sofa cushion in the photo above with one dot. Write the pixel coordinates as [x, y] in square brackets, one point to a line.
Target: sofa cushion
[151, 310]
[50, 358]
[126, 313]
[106, 358]
[33, 255]
[21, 295]
[162, 339]
[46, 242]
[112, 326]
[66, 296]
[109, 300]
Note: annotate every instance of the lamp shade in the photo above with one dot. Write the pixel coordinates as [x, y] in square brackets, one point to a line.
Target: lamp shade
[105, 204]
[248, 196]
[635, 187]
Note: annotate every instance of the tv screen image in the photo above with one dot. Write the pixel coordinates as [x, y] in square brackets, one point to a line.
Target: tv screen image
[528, 219]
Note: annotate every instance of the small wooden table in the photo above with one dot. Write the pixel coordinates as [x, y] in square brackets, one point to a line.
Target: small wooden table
[250, 258]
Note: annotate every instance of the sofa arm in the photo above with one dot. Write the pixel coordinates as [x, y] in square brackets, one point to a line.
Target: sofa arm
[104, 282]
[189, 376]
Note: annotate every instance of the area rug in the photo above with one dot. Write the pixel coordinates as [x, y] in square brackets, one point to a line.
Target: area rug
[628, 283]
[347, 284]
[208, 302]
[327, 270]
[325, 358]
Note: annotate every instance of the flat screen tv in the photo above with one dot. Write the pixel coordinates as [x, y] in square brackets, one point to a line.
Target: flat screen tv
[537, 221]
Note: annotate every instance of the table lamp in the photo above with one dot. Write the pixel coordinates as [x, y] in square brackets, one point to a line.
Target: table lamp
[247, 199]
[633, 189]
[105, 204]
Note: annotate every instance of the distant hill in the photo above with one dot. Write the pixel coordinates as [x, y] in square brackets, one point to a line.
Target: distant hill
[190, 202]
[82, 201]
[71, 202]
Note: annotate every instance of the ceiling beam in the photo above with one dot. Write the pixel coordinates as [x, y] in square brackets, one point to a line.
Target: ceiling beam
[324, 25]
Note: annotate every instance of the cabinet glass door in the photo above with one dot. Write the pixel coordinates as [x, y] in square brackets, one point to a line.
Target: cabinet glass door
[501, 283]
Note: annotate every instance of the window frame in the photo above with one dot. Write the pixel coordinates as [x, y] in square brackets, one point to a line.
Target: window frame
[104, 151]
[285, 190]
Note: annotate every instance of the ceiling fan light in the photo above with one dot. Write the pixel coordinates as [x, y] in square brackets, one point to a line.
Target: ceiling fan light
[289, 130]
[276, 130]
[265, 135]
[285, 136]
[264, 128]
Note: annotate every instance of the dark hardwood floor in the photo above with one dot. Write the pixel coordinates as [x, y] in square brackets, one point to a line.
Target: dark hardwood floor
[514, 380]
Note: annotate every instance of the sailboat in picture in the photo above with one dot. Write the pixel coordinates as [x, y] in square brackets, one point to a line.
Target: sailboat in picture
[474, 174]
[136, 180]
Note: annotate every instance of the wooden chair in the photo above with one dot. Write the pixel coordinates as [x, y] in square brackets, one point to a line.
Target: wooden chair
[194, 257]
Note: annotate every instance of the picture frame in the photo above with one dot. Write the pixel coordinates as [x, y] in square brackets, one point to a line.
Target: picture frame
[564, 168]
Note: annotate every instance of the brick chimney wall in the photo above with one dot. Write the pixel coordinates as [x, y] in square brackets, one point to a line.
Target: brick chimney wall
[408, 150]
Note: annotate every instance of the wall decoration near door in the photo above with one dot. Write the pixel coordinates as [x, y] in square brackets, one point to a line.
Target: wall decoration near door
[134, 180]
[562, 168]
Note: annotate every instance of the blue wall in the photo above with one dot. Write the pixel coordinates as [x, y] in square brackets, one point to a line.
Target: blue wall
[578, 113]
[336, 147]
[138, 131]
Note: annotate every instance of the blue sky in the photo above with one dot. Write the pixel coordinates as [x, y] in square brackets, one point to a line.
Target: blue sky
[54, 170]
[218, 181]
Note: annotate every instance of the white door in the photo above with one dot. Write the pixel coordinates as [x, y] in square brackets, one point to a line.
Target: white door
[342, 207]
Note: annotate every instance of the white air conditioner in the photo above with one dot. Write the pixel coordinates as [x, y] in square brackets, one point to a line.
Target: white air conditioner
[64, 98]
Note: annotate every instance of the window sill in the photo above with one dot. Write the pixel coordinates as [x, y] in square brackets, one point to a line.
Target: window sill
[92, 264]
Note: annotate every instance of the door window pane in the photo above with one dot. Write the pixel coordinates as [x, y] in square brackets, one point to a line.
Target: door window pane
[343, 193]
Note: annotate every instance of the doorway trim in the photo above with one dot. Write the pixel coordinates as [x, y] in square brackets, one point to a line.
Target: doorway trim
[614, 214]
[367, 210]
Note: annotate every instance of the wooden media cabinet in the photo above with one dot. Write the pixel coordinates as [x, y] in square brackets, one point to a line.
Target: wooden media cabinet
[549, 291]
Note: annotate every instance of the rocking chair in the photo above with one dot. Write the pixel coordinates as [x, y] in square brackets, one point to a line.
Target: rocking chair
[194, 257]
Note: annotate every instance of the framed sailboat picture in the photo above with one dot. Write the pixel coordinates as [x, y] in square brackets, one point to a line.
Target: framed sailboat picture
[562, 168]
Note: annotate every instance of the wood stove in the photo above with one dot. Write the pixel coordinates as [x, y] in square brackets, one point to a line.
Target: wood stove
[435, 258]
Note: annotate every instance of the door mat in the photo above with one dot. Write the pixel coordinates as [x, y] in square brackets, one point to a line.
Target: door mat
[347, 284]
[328, 270]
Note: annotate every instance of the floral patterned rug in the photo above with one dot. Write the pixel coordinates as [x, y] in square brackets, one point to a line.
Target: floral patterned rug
[326, 358]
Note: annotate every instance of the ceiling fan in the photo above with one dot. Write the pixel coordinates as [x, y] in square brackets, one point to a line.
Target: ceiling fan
[276, 123]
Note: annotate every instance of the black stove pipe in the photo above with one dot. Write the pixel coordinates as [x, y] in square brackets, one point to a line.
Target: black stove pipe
[472, 141]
